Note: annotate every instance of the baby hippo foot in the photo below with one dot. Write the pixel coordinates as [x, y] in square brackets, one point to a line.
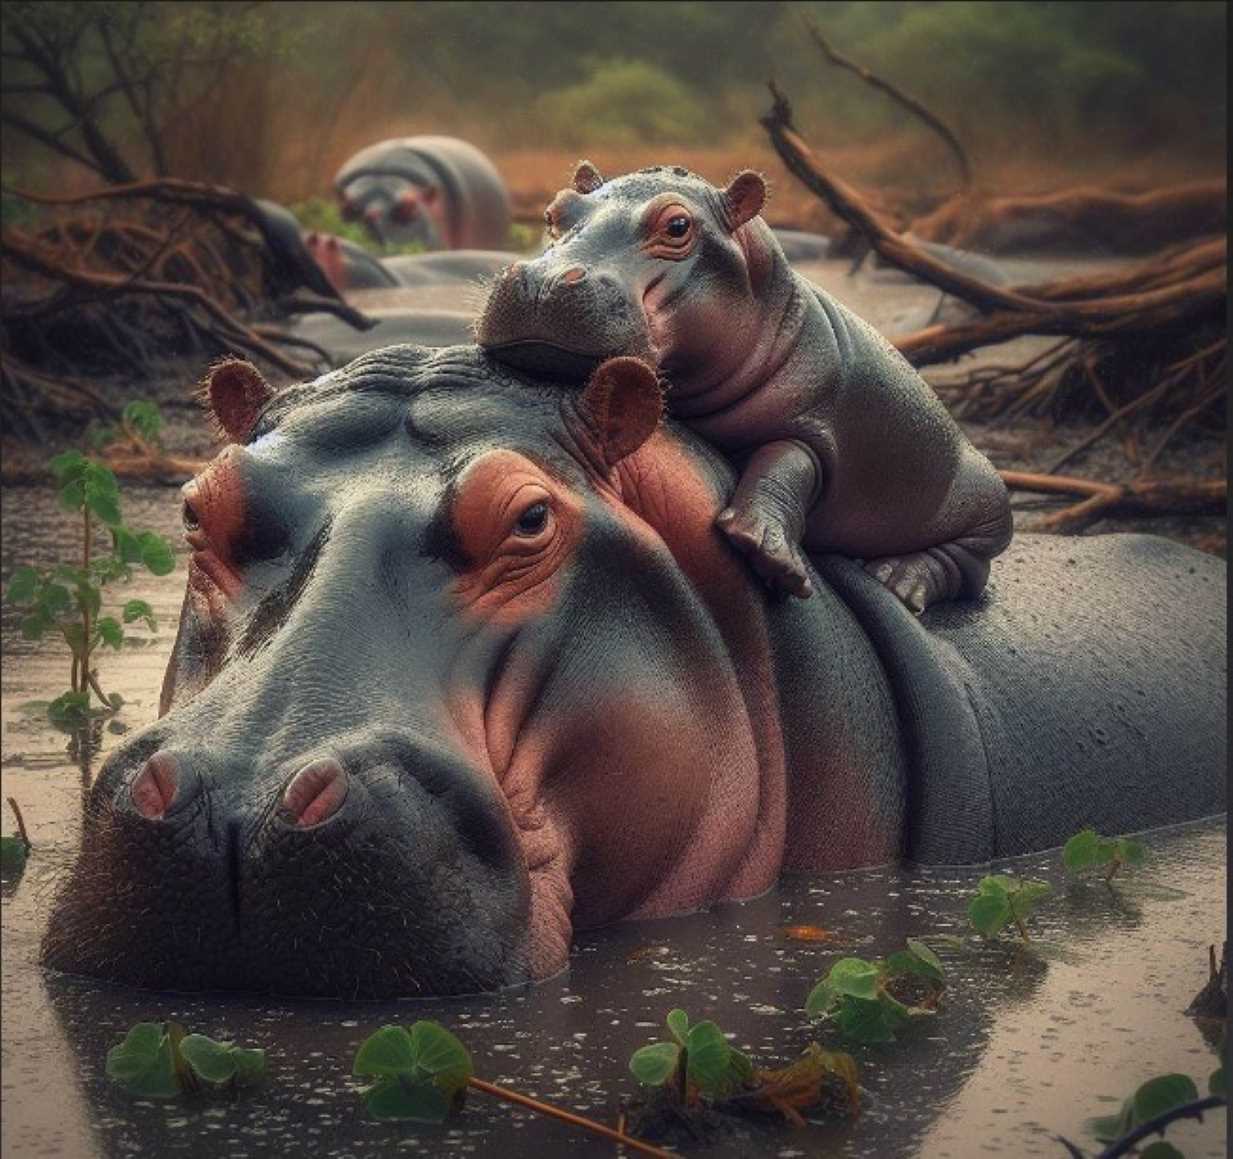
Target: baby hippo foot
[919, 578]
[769, 547]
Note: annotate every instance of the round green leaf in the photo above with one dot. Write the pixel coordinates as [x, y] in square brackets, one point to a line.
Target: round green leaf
[1029, 894]
[127, 545]
[210, 1060]
[1080, 851]
[139, 610]
[997, 883]
[821, 998]
[22, 585]
[69, 708]
[1161, 1149]
[1162, 1094]
[867, 1021]
[104, 504]
[156, 553]
[400, 1098]
[678, 1023]
[68, 466]
[33, 627]
[54, 599]
[143, 417]
[1215, 1084]
[1106, 1128]
[653, 1065]
[13, 854]
[143, 1063]
[708, 1055]
[989, 912]
[89, 599]
[249, 1065]
[922, 953]
[387, 1052]
[741, 1068]
[855, 977]
[1131, 851]
[73, 495]
[439, 1053]
[110, 632]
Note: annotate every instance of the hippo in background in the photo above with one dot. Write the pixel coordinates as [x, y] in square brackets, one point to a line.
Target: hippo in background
[440, 192]
[464, 665]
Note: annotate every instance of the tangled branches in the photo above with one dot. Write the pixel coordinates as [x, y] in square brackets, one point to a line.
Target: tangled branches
[155, 271]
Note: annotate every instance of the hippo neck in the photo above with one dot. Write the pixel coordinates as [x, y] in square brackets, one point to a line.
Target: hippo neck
[761, 344]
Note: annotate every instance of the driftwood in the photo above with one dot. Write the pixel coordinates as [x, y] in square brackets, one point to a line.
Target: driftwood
[904, 100]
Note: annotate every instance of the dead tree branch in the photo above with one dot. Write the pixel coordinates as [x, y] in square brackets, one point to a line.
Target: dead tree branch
[915, 107]
[1179, 496]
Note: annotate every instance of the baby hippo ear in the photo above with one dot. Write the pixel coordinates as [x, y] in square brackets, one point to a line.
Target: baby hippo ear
[622, 406]
[744, 198]
[586, 178]
[237, 394]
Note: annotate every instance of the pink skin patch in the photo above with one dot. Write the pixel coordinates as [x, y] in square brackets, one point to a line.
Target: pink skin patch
[154, 790]
[316, 792]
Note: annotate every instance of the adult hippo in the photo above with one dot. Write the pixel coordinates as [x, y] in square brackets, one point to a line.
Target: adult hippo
[438, 191]
[464, 665]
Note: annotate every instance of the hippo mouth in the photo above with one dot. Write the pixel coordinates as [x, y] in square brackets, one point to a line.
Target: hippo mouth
[544, 357]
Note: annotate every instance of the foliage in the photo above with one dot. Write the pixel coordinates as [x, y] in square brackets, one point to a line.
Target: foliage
[325, 216]
[420, 1073]
[1153, 1098]
[13, 854]
[1087, 849]
[1002, 900]
[68, 598]
[864, 999]
[160, 1060]
[698, 1060]
[138, 429]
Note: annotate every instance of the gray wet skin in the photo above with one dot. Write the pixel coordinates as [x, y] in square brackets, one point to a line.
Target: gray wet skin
[843, 446]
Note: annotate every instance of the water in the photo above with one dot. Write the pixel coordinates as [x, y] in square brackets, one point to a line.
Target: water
[1025, 1046]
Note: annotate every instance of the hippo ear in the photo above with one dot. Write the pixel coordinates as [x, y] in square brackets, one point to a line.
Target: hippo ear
[586, 178]
[622, 406]
[237, 394]
[744, 198]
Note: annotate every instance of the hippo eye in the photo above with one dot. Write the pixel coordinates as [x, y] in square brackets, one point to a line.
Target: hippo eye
[551, 226]
[532, 521]
[188, 516]
[677, 227]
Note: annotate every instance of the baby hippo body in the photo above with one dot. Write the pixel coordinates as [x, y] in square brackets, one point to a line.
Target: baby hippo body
[842, 445]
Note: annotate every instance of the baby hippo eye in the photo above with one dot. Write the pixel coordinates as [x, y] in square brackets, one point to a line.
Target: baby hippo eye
[532, 521]
[677, 226]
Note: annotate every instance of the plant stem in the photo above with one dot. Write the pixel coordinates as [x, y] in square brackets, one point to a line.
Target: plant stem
[95, 685]
[75, 676]
[85, 612]
[21, 825]
[1018, 921]
[682, 1068]
[1114, 866]
[567, 1117]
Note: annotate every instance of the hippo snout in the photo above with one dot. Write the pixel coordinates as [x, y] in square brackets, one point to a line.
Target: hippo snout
[320, 872]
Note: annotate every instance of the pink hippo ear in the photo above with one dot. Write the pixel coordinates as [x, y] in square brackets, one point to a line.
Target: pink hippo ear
[622, 406]
[237, 394]
[744, 198]
[586, 178]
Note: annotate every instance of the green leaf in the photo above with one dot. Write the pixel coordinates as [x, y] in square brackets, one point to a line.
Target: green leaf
[1080, 851]
[211, 1061]
[742, 1069]
[127, 545]
[104, 503]
[143, 1063]
[156, 553]
[33, 627]
[74, 575]
[140, 610]
[821, 998]
[69, 708]
[73, 495]
[68, 466]
[868, 1021]
[1215, 1083]
[387, 1052]
[654, 1065]
[989, 912]
[997, 884]
[110, 632]
[678, 1023]
[924, 954]
[1160, 1150]
[143, 417]
[1028, 894]
[439, 1053]
[1107, 1128]
[708, 1055]
[1131, 851]
[397, 1098]
[89, 599]
[855, 977]
[1162, 1094]
[249, 1065]
[22, 585]
[54, 599]
[13, 854]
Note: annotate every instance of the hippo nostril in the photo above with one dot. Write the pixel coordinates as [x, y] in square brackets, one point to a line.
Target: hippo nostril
[573, 275]
[154, 788]
[315, 793]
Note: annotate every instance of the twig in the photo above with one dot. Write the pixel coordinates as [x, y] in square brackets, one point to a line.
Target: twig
[898, 96]
[1191, 1110]
[567, 1117]
[21, 824]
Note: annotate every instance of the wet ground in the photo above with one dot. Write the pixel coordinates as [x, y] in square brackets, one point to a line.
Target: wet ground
[1027, 1044]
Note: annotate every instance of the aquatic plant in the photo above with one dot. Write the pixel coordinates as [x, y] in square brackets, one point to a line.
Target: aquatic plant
[872, 1001]
[1002, 900]
[698, 1060]
[68, 598]
[419, 1073]
[1087, 850]
[160, 1060]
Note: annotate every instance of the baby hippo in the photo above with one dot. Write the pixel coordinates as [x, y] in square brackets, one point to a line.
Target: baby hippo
[841, 445]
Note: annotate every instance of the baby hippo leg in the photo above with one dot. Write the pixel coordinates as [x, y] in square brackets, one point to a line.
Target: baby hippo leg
[766, 518]
[974, 525]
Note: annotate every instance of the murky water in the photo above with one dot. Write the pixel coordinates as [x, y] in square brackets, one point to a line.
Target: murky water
[1026, 1045]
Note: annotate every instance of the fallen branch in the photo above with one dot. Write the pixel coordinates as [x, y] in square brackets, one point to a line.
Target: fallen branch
[899, 97]
[1102, 500]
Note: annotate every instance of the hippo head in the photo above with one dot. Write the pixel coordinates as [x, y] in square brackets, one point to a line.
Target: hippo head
[440, 693]
[394, 209]
[659, 264]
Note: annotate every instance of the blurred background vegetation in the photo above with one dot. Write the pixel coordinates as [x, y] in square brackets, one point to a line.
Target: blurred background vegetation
[269, 98]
